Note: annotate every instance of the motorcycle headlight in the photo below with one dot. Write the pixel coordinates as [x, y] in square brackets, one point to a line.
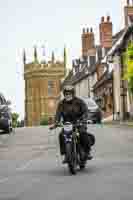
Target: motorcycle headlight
[68, 128]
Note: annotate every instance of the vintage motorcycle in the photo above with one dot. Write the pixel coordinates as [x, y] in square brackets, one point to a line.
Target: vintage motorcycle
[74, 152]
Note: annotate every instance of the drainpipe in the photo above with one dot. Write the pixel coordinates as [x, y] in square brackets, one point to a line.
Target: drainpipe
[123, 89]
[113, 94]
[110, 60]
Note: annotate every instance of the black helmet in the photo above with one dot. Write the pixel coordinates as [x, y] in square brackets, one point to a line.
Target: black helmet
[69, 88]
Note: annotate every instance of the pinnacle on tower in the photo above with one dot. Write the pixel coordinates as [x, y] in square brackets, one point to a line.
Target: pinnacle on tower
[24, 57]
[65, 57]
[35, 54]
[129, 3]
[91, 30]
[87, 30]
[53, 57]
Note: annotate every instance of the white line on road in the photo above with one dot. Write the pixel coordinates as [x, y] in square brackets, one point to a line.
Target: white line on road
[27, 164]
[20, 168]
[4, 180]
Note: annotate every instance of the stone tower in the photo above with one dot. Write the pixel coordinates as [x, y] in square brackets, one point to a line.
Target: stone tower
[42, 87]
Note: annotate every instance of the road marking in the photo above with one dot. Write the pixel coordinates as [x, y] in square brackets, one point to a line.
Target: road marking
[27, 164]
[4, 180]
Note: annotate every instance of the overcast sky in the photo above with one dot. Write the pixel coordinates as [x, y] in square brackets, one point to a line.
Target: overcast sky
[49, 23]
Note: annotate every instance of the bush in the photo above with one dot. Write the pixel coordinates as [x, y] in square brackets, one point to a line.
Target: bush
[15, 117]
[44, 121]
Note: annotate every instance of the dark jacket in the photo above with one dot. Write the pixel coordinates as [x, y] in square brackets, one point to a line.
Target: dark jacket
[71, 110]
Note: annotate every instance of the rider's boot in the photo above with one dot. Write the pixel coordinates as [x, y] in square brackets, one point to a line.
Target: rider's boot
[88, 155]
[64, 160]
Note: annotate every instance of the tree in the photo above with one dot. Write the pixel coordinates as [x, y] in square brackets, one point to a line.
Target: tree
[15, 117]
[44, 121]
[128, 61]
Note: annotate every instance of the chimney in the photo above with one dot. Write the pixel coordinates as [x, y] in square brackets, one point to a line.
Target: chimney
[128, 13]
[106, 32]
[88, 41]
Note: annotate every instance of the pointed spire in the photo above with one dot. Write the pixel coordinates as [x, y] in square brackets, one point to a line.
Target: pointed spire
[43, 51]
[35, 54]
[24, 57]
[65, 57]
[53, 57]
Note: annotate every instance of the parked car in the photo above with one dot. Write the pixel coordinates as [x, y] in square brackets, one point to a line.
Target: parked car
[5, 115]
[94, 112]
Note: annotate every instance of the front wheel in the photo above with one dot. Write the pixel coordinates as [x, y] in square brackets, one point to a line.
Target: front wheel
[82, 159]
[82, 166]
[71, 158]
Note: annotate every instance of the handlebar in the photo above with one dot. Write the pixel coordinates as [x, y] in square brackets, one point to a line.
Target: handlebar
[60, 124]
[54, 126]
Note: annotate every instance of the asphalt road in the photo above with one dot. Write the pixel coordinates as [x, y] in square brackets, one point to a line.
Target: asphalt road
[31, 169]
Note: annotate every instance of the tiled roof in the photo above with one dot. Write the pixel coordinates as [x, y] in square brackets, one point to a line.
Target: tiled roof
[80, 75]
[118, 35]
[104, 78]
[86, 71]
[121, 41]
[67, 79]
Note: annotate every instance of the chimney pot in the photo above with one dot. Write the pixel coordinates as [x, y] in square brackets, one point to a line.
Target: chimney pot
[102, 19]
[83, 30]
[108, 18]
[87, 30]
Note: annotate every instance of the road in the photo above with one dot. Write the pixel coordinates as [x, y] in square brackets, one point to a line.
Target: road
[31, 169]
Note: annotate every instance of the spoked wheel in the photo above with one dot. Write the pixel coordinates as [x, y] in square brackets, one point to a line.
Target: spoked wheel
[82, 166]
[72, 158]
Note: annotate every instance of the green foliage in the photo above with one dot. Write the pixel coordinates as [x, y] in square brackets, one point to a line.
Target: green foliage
[128, 62]
[20, 123]
[15, 117]
[44, 121]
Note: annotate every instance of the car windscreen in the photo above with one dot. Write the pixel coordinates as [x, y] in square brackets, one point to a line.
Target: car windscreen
[1, 101]
[90, 103]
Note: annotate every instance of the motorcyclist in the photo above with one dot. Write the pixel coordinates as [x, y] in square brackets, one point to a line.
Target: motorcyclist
[71, 109]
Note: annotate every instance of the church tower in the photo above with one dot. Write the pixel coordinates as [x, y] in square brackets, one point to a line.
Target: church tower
[42, 87]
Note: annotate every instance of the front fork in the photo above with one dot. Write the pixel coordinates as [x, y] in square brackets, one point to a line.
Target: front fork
[71, 146]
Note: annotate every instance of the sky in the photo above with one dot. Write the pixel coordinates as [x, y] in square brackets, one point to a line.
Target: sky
[49, 23]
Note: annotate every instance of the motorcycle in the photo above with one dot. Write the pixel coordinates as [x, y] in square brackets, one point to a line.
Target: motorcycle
[74, 152]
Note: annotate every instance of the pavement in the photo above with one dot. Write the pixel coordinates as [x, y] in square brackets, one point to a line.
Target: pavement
[125, 123]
